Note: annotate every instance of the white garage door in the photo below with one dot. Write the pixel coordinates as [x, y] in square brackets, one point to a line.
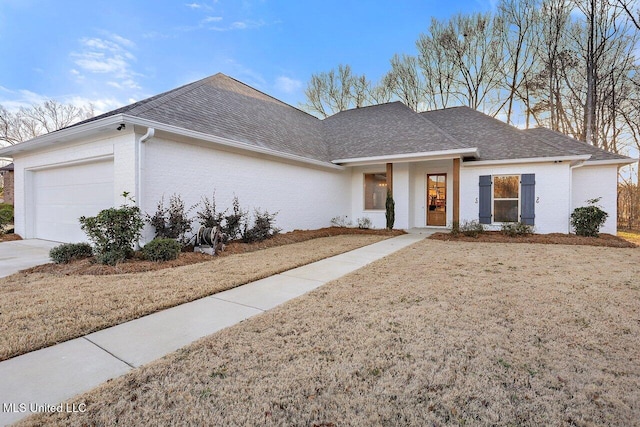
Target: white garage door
[64, 194]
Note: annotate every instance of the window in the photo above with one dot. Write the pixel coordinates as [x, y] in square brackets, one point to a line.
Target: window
[375, 191]
[506, 198]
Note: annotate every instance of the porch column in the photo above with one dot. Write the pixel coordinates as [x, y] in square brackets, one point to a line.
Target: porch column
[456, 190]
[390, 177]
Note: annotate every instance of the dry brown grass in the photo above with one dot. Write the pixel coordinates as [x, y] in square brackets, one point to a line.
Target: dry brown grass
[630, 235]
[604, 239]
[38, 309]
[440, 333]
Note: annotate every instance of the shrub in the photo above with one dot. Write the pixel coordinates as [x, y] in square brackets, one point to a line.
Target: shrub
[515, 229]
[471, 228]
[587, 220]
[6, 216]
[67, 252]
[340, 221]
[171, 222]
[390, 213]
[208, 216]
[364, 223]
[161, 250]
[114, 231]
[236, 222]
[262, 229]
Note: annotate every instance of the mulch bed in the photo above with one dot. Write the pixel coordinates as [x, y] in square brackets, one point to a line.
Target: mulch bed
[9, 237]
[552, 238]
[139, 265]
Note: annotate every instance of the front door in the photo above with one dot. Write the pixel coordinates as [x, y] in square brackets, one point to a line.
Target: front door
[437, 199]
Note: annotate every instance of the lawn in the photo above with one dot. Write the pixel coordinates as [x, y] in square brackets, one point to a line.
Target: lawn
[439, 333]
[41, 309]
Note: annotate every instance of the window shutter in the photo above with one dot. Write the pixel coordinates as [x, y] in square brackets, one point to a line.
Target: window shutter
[484, 201]
[528, 198]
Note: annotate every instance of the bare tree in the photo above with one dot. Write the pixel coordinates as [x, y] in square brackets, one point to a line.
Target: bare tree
[28, 123]
[404, 80]
[337, 90]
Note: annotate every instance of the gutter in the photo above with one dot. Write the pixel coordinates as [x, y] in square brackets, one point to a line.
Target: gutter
[409, 157]
[571, 168]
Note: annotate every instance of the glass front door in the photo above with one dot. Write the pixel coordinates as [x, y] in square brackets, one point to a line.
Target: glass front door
[437, 199]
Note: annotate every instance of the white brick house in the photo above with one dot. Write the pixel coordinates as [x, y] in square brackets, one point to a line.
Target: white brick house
[218, 134]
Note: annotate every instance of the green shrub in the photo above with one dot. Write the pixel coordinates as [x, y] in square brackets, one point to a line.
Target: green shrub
[390, 212]
[587, 220]
[516, 229]
[6, 216]
[208, 215]
[161, 250]
[67, 252]
[114, 231]
[235, 224]
[171, 222]
[471, 228]
[262, 229]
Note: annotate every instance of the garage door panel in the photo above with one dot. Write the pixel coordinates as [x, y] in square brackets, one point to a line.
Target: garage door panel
[62, 195]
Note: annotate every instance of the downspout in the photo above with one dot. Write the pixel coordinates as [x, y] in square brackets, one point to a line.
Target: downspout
[139, 154]
[577, 165]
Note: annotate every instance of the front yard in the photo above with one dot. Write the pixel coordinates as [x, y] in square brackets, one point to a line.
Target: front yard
[40, 309]
[440, 333]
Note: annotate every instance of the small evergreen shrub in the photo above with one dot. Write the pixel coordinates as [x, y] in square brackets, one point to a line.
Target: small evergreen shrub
[161, 250]
[6, 216]
[67, 252]
[340, 221]
[471, 228]
[114, 231]
[364, 223]
[262, 229]
[587, 220]
[390, 213]
[113, 256]
[208, 215]
[235, 223]
[516, 229]
[171, 222]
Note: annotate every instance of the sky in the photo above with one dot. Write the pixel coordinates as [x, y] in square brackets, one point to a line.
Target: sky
[112, 53]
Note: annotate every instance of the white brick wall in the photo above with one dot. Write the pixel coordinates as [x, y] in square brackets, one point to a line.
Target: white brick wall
[591, 182]
[120, 146]
[552, 192]
[304, 197]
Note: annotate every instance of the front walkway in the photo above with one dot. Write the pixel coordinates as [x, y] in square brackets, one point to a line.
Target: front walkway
[57, 373]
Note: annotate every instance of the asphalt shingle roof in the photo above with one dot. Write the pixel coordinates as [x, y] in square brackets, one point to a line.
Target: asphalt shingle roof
[384, 129]
[222, 106]
[572, 146]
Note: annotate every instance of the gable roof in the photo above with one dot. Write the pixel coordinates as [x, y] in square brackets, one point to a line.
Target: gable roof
[384, 129]
[220, 106]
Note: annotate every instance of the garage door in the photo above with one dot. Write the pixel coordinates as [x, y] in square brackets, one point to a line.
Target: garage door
[64, 194]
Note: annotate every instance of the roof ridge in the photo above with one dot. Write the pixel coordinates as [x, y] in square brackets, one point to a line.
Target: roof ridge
[163, 98]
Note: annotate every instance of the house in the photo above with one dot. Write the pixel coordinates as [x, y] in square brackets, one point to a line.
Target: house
[220, 135]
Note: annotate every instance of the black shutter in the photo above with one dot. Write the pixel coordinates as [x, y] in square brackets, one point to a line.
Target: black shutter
[528, 198]
[484, 201]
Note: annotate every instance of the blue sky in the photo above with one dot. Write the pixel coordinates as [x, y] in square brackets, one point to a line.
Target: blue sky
[115, 52]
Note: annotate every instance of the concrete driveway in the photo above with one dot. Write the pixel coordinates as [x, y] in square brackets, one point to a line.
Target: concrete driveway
[20, 254]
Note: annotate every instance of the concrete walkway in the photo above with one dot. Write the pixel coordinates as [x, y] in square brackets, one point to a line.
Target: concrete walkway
[17, 255]
[55, 374]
